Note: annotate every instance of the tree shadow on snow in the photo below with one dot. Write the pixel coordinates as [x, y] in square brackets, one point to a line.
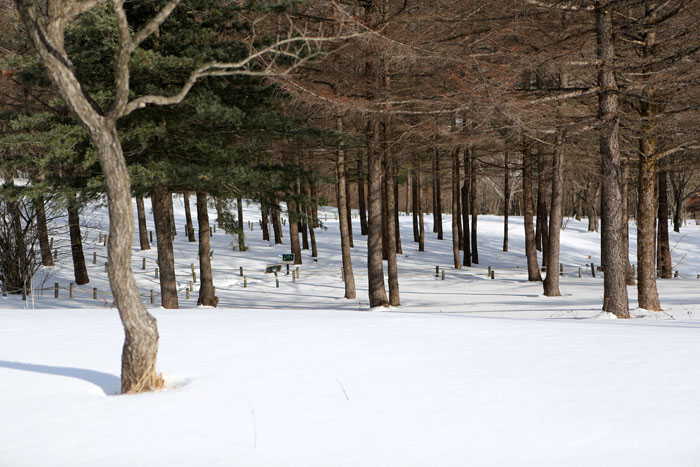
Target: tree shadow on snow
[109, 384]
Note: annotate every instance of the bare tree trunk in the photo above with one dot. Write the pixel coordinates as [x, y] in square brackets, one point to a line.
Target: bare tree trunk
[414, 204]
[160, 200]
[348, 211]
[533, 268]
[437, 214]
[144, 243]
[630, 278]
[456, 193]
[542, 190]
[43, 232]
[207, 296]
[397, 225]
[265, 221]
[241, 225]
[506, 199]
[474, 206]
[677, 210]
[293, 215]
[189, 228]
[386, 221]
[348, 274]
[465, 207]
[361, 177]
[551, 282]
[310, 223]
[614, 288]
[276, 222]
[173, 227]
[419, 205]
[392, 265]
[76, 242]
[665, 265]
[375, 266]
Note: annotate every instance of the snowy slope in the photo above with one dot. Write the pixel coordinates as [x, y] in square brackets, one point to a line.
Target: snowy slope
[469, 371]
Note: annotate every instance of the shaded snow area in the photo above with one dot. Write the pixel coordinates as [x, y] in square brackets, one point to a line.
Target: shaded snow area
[467, 372]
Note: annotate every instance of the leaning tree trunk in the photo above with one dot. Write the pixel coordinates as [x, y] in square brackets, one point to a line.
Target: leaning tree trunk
[144, 242]
[361, 177]
[348, 274]
[474, 206]
[276, 222]
[76, 242]
[375, 266]
[665, 265]
[551, 282]
[138, 371]
[161, 200]
[464, 207]
[533, 268]
[506, 200]
[189, 227]
[207, 294]
[614, 289]
[43, 232]
[456, 193]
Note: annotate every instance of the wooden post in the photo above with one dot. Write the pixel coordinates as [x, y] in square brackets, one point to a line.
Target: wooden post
[156, 273]
[240, 271]
[561, 269]
[94, 293]
[187, 293]
[287, 268]
[443, 274]
[70, 290]
[579, 272]
[151, 297]
[676, 274]
[106, 266]
[488, 273]
[277, 282]
[143, 263]
[55, 254]
[437, 271]
[194, 274]
[150, 235]
[297, 270]
[493, 274]
[55, 290]
[245, 282]
[94, 257]
[51, 243]
[593, 269]
[190, 286]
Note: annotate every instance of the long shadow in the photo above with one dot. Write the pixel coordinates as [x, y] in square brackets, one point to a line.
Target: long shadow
[109, 384]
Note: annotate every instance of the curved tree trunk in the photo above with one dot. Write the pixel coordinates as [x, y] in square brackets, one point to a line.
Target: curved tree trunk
[533, 268]
[207, 295]
[76, 242]
[665, 265]
[630, 278]
[43, 232]
[189, 227]
[143, 229]
[161, 199]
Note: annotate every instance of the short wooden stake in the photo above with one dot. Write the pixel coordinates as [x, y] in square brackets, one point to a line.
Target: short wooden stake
[143, 263]
[245, 282]
[55, 254]
[593, 269]
[437, 271]
[51, 243]
[189, 285]
[443, 274]
[676, 274]
[194, 274]
[150, 235]
[240, 271]
[94, 257]
[55, 290]
[561, 269]
[94, 293]
[488, 274]
[156, 273]
[277, 282]
[579, 272]
[151, 297]
[106, 266]
[70, 290]
[493, 274]
[187, 294]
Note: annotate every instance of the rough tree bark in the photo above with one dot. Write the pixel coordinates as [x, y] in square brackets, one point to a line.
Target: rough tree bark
[474, 205]
[276, 222]
[144, 242]
[348, 211]
[293, 214]
[437, 214]
[76, 242]
[533, 268]
[361, 177]
[542, 190]
[397, 225]
[43, 232]
[663, 245]
[161, 199]
[265, 222]
[392, 265]
[375, 265]
[506, 198]
[241, 225]
[456, 193]
[348, 274]
[189, 227]
[465, 207]
[614, 289]
[419, 204]
[414, 204]
[207, 294]
[551, 281]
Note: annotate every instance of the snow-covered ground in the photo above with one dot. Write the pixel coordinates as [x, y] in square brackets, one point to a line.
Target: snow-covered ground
[468, 371]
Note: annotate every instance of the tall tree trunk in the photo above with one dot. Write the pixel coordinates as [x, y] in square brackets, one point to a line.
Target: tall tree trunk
[361, 177]
[161, 200]
[387, 222]
[630, 278]
[437, 214]
[614, 288]
[474, 205]
[375, 266]
[506, 199]
[310, 223]
[465, 207]
[542, 189]
[76, 242]
[456, 194]
[397, 224]
[533, 268]
[207, 296]
[293, 215]
[276, 222]
[265, 221]
[241, 225]
[551, 282]
[392, 265]
[173, 227]
[414, 204]
[348, 274]
[348, 211]
[647, 292]
[189, 228]
[43, 232]
[144, 242]
[677, 209]
[419, 205]
[665, 265]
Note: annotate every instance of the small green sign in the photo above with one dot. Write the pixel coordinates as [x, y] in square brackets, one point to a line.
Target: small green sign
[289, 257]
